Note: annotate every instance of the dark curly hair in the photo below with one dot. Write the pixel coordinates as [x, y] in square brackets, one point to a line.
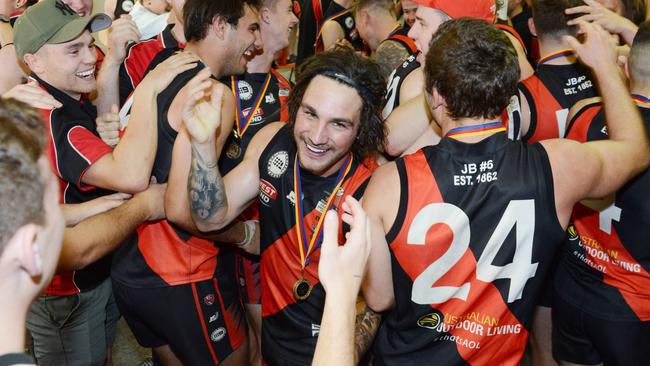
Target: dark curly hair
[348, 68]
[198, 15]
[473, 66]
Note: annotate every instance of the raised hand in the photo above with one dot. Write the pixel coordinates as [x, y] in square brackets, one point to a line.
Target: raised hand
[598, 50]
[595, 12]
[162, 75]
[122, 32]
[201, 116]
[341, 268]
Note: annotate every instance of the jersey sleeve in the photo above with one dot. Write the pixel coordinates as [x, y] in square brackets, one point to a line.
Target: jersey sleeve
[76, 149]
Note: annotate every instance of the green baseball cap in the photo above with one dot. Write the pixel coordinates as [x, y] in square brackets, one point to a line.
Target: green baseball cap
[51, 22]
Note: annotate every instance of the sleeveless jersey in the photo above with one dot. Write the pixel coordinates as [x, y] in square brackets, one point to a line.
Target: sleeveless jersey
[162, 254]
[139, 57]
[273, 108]
[400, 35]
[73, 147]
[550, 92]
[395, 81]
[289, 327]
[471, 245]
[345, 18]
[311, 16]
[606, 265]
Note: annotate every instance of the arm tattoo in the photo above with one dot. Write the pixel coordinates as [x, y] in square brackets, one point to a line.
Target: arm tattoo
[206, 189]
[366, 327]
[389, 54]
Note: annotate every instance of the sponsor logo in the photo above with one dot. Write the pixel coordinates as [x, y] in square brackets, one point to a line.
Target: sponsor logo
[315, 330]
[257, 118]
[245, 90]
[283, 92]
[573, 234]
[292, 198]
[214, 317]
[349, 22]
[218, 334]
[429, 321]
[269, 99]
[209, 299]
[268, 193]
[320, 207]
[278, 164]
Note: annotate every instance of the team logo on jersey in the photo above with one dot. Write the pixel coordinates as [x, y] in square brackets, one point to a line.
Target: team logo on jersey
[349, 22]
[218, 334]
[268, 193]
[269, 99]
[245, 90]
[430, 321]
[292, 198]
[278, 164]
[214, 317]
[209, 299]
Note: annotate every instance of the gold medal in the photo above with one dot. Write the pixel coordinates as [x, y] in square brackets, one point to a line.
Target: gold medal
[301, 289]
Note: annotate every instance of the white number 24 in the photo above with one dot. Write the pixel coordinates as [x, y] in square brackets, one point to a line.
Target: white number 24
[519, 214]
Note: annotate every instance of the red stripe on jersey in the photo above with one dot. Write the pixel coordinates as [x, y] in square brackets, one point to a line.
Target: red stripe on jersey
[89, 146]
[508, 29]
[283, 84]
[175, 260]
[609, 257]
[236, 333]
[579, 126]
[139, 58]
[543, 120]
[478, 321]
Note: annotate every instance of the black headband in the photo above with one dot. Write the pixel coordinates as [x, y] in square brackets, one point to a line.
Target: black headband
[343, 79]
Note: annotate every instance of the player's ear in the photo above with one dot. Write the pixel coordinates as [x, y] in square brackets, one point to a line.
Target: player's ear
[219, 26]
[265, 15]
[24, 248]
[531, 27]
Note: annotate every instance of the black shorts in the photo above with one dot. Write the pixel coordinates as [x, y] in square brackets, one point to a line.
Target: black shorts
[584, 339]
[201, 322]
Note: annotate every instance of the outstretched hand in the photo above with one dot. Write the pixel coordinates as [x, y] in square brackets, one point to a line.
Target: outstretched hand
[598, 49]
[201, 112]
[595, 12]
[341, 268]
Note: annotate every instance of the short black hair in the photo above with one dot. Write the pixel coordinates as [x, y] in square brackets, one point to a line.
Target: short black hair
[550, 19]
[198, 15]
[638, 64]
[473, 66]
[364, 75]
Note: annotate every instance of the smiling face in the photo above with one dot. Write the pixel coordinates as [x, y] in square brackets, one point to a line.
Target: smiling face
[69, 66]
[281, 23]
[408, 8]
[427, 22]
[243, 42]
[327, 124]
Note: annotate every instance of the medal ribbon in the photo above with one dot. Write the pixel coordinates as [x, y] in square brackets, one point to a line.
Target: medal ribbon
[482, 129]
[640, 99]
[554, 55]
[240, 126]
[317, 235]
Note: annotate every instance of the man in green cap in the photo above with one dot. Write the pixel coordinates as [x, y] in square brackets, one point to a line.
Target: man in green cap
[73, 323]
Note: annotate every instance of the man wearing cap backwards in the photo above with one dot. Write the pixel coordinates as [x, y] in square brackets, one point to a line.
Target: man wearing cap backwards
[74, 322]
[409, 125]
[298, 171]
[464, 232]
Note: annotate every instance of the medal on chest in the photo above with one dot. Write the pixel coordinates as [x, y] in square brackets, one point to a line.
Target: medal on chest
[302, 288]
[242, 122]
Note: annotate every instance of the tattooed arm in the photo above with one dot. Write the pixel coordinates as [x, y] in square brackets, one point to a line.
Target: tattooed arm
[388, 55]
[365, 330]
[215, 200]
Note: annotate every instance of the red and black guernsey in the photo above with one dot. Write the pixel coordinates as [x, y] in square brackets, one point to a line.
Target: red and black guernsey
[139, 57]
[290, 328]
[470, 247]
[550, 92]
[272, 108]
[605, 270]
[400, 35]
[73, 146]
[395, 81]
[162, 254]
[345, 18]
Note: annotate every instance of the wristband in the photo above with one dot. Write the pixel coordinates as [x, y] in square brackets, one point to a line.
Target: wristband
[250, 226]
